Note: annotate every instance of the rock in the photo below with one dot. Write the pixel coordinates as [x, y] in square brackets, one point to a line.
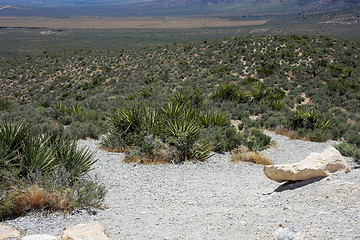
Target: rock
[40, 237]
[8, 232]
[90, 231]
[288, 234]
[315, 165]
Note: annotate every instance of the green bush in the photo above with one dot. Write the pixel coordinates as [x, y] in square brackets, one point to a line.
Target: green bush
[224, 138]
[178, 125]
[185, 136]
[4, 104]
[231, 92]
[30, 159]
[349, 150]
[308, 119]
[256, 140]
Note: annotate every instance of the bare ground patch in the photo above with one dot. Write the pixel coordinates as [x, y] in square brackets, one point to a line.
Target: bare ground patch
[142, 23]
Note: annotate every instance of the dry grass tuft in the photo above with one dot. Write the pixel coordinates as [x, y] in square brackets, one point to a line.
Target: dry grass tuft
[114, 150]
[35, 197]
[148, 159]
[289, 133]
[285, 132]
[243, 154]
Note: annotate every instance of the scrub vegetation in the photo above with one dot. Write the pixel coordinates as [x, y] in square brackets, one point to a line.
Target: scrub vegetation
[167, 102]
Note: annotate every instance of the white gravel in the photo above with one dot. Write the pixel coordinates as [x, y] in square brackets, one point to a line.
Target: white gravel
[214, 200]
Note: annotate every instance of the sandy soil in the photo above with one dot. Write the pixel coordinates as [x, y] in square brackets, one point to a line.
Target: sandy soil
[142, 23]
[215, 199]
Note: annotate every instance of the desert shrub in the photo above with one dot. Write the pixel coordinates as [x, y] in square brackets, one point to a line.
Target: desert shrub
[175, 123]
[231, 92]
[29, 163]
[267, 67]
[354, 138]
[65, 120]
[4, 104]
[213, 118]
[349, 150]
[185, 136]
[308, 119]
[256, 140]
[224, 138]
[319, 135]
[81, 130]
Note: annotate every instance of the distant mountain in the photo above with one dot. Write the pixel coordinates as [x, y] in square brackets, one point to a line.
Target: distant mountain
[308, 3]
[122, 8]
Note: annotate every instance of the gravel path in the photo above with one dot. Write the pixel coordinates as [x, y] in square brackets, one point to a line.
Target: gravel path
[215, 199]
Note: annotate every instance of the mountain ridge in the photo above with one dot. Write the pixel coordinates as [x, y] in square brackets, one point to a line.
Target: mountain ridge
[124, 8]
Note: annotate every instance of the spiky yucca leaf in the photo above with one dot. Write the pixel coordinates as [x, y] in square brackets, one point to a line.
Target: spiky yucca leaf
[185, 135]
[173, 110]
[77, 162]
[14, 134]
[277, 105]
[153, 123]
[74, 109]
[213, 119]
[181, 99]
[127, 119]
[203, 151]
[243, 96]
[322, 123]
[37, 156]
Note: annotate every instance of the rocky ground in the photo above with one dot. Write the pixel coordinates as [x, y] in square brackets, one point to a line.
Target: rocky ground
[214, 200]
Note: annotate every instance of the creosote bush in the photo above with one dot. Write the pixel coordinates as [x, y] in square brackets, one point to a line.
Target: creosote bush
[349, 150]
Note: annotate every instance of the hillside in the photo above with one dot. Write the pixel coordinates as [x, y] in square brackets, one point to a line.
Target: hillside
[191, 98]
[283, 75]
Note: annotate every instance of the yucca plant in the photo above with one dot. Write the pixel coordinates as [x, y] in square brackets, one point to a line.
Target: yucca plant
[60, 106]
[37, 156]
[277, 105]
[275, 94]
[13, 135]
[243, 96]
[213, 119]
[181, 99]
[8, 165]
[258, 90]
[127, 119]
[172, 110]
[310, 118]
[185, 136]
[76, 162]
[296, 119]
[74, 109]
[323, 124]
[226, 92]
[152, 121]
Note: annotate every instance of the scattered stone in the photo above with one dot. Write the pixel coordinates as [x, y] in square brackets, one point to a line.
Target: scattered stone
[40, 237]
[315, 165]
[288, 234]
[90, 231]
[8, 232]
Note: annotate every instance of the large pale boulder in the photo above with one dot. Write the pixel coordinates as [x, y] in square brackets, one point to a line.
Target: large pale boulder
[315, 165]
[90, 231]
[8, 232]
